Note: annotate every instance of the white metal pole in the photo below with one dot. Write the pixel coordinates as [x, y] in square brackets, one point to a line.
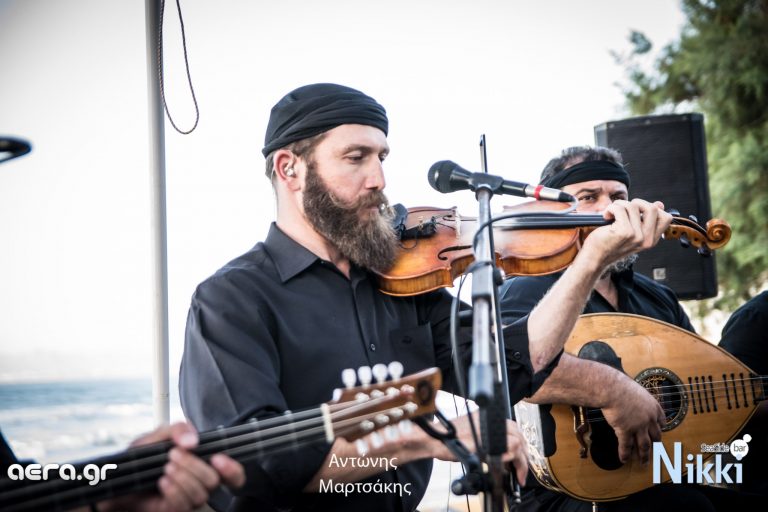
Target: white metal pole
[158, 220]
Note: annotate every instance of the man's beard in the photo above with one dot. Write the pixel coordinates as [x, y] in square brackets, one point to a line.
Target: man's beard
[621, 265]
[368, 240]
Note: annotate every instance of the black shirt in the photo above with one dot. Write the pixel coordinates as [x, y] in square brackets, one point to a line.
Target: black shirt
[273, 329]
[637, 294]
[7, 458]
[745, 335]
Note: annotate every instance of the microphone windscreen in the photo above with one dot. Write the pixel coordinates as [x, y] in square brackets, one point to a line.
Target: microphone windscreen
[442, 177]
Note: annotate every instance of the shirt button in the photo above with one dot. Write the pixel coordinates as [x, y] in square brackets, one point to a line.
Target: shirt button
[517, 355]
[373, 347]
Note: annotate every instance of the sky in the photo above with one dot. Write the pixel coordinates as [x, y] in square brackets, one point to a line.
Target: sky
[75, 285]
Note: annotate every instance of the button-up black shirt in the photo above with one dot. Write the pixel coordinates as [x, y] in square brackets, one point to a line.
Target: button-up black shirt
[637, 294]
[272, 331]
[745, 335]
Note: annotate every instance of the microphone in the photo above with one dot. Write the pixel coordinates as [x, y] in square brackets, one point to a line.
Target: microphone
[446, 176]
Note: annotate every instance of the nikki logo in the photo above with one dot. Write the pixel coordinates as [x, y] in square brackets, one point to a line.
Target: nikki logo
[698, 472]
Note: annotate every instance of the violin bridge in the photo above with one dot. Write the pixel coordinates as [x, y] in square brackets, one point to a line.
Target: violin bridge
[458, 223]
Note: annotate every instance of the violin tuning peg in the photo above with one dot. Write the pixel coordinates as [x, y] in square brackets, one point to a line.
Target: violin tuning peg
[673, 212]
[704, 251]
[364, 374]
[693, 218]
[380, 373]
[348, 377]
[395, 370]
[684, 241]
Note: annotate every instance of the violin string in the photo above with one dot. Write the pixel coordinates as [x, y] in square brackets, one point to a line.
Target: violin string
[512, 215]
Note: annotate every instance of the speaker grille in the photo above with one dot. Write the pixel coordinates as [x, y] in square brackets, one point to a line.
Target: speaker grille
[666, 160]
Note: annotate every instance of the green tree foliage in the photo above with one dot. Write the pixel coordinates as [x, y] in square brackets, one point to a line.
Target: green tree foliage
[719, 67]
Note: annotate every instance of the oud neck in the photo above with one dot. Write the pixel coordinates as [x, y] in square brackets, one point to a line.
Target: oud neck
[763, 379]
[138, 469]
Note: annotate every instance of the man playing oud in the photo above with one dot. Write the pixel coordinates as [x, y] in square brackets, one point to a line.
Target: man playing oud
[597, 178]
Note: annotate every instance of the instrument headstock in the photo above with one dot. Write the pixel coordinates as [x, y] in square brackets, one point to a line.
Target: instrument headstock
[359, 411]
[714, 235]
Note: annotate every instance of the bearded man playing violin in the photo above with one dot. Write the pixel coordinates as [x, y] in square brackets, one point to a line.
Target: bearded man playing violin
[597, 178]
[273, 329]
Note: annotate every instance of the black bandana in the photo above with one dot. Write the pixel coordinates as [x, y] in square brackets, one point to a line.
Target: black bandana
[588, 171]
[317, 108]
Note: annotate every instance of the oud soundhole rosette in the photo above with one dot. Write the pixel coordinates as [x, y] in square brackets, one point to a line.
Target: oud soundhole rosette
[669, 391]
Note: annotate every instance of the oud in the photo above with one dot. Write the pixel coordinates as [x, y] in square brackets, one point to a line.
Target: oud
[707, 396]
[354, 413]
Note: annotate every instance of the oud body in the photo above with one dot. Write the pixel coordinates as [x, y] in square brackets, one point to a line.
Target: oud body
[707, 395]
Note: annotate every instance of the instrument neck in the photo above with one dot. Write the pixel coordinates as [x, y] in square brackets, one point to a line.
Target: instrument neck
[138, 469]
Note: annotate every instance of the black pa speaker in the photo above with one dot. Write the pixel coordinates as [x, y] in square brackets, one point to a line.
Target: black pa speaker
[667, 161]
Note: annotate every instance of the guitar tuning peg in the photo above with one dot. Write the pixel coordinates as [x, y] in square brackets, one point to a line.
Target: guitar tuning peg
[673, 212]
[348, 377]
[396, 370]
[380, 373]
[362, 447]
[693, 218]
[704, 251]
[364, 374]
[684, 241]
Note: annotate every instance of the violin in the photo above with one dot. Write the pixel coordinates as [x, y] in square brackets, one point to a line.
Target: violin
[535, 240]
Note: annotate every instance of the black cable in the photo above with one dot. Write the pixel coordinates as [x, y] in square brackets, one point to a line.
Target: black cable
[457, 366]
[186, 63]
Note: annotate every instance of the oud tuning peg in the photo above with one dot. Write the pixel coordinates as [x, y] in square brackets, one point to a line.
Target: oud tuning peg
[396, 370]
[376, 440]
[405, 426]
[693, 218]
[362, 447]
[380, 372]
[704, 251]
[391, 433]
[673, 212]
[348, 377]
[364, 374]
[684, 241]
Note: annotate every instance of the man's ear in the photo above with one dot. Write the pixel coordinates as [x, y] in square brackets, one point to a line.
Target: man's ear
[284, 167]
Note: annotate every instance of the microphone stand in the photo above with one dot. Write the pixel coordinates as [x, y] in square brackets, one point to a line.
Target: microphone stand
[487, 384]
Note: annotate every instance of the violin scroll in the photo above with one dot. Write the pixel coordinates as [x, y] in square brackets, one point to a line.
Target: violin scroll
[716, 234]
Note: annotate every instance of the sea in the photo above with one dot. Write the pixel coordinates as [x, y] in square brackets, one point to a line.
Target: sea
[74, 420]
